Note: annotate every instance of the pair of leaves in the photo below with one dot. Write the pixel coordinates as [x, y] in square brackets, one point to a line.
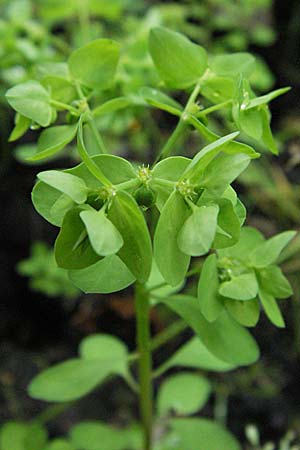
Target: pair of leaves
[100, 357]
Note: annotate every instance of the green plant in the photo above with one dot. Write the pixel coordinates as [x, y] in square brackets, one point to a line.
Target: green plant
[111, 212]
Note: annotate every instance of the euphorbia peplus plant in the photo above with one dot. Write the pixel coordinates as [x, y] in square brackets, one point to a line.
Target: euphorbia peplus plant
[102, 207]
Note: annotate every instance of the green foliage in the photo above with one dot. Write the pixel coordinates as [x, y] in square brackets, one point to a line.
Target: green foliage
[106, 235]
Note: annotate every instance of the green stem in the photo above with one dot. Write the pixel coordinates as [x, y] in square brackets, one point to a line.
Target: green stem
[142, 307]
[180, 127]
[63, 106]
[214, 108]
[97, 136]
[52, 412]
[167, 334]
[84, 20]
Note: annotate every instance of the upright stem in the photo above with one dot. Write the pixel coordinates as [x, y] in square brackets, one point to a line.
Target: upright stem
[142, 308]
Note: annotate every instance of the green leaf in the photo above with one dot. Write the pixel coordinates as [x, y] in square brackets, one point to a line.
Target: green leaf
[52, 140]
[267, 252]
[233, 64]
[224, 338]
[160, 100]
[197, 434]
[91, 435]
[250, 238]
[197, 234]
[245, 313]
[195, 354]
[222, 171]
[67, 183]
[108, 275]
[267, 136]
[71, 379]
[59, 444]
[228, 231]
[31, 100]
[21, 436]
[169, 169]
[72, 247]
[272, 281]
[251, 122]
[205, 156]
[111, 106]
[105, 348]
[208, 289]
[103, 235]
[61, 89]
[271, 308]
[95, 63]
[184, 393]
[263, 99]
[171, 261]
[136, 252]
[22, 124]
[241, 287]
[179, 62]
[51, 203]
[218, 89]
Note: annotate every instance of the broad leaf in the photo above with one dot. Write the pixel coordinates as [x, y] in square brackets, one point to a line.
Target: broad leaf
[184, 393]
[197, 434]
[271, 308]
[72, 246]
[272, 280]
[31, 100]
[267, 252]
[195, 354]
[233, 64]
[197, 234]
[250, 238]
[111, 106]
[171, 261]
[179, 62]
[103, 235]
[136, 252]
[97, 436]
[245, 313]
[208, 289]
[54, 139]
[241, 287]
[228, 231]
[71, 379]
[95, 63]
[224, 338]
[108, 275]
[67, 183]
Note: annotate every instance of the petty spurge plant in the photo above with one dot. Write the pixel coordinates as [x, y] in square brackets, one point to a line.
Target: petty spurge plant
[147, 224]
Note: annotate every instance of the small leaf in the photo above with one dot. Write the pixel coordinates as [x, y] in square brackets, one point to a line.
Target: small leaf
[105, 348]
[22, 124]
[233, 64]
[263, 99]
[31, 100]
[54, 139]
[250, 238]
[67, 183]
[72, 247]
[197, 234]
[241, 287]
[271, 309]
[267, 136]
[136, 252]
[71, 379]
[179, 62]
[95, 63]
[272, 281]
[171, 261]
[224, 337]
[267, 252]
[108, 275]
[59, 444]
[13, 435]
[184, 393]
[97, 436]
[103, 235]
[208, 289]
[111, 106]
[160, 100]
[62, 90]
[195, 354]
[245, 313]
[198, 434]
[228, 231]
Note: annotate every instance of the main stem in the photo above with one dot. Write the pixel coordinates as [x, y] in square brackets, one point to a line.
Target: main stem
[142, 308]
